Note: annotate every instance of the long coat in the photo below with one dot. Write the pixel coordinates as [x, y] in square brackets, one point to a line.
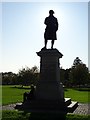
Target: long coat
[51, 28]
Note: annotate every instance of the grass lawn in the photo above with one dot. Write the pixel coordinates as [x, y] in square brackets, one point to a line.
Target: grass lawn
[15, 115]
[76, 95]
[12, 94]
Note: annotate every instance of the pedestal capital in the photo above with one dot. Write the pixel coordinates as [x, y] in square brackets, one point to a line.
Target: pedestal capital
[49, 52]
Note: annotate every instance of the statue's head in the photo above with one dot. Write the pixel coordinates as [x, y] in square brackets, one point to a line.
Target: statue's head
[51, 12]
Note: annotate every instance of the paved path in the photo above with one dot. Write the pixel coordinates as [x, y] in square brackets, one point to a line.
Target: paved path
[82, 109]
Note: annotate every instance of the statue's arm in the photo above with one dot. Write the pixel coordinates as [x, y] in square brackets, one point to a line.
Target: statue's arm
[57, 24]
[45, 22]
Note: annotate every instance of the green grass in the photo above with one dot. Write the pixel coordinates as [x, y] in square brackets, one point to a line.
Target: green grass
[10, 94]
[15, 115]
[76, 95]
[0, 94]
[77, 117]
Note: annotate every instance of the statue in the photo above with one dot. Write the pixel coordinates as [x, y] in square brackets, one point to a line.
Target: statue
[51, 28]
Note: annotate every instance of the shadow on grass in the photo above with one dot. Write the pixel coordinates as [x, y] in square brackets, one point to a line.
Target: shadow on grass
[20, 87]
[47, 116]
[82, 89]
[65, 89]
[20, 115]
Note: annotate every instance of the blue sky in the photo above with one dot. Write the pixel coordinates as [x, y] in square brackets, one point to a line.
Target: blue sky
[23, 30]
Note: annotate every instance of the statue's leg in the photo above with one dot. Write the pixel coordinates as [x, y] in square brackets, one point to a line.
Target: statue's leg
[52, 44]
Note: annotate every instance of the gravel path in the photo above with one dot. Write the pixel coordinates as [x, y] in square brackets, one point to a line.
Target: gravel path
[82, 109]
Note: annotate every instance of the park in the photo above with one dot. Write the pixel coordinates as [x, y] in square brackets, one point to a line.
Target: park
[50, 91]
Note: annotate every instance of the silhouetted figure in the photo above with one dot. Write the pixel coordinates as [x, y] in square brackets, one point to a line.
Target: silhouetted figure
[32, 92]
[29, 95]
[51, 28]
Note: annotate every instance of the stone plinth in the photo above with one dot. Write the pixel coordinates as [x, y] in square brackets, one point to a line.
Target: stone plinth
[49, 86]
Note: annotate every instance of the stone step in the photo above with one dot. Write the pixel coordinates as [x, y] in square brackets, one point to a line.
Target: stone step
[67, 101]
[72, 106]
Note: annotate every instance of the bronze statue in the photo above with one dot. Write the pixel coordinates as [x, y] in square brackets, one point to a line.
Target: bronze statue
[51, 28]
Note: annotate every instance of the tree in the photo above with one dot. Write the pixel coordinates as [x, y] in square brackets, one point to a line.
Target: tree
[67, 79]
[28, 76]
[79, 73]
[88, 80]
[9, 78]
[64, 76]
[76, 62]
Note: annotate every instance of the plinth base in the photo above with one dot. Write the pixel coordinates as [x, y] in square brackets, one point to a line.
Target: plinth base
[40, 106]
[44, 109]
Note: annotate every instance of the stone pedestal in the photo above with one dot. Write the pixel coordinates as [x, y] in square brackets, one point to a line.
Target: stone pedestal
[49, 86]
[49, 92]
